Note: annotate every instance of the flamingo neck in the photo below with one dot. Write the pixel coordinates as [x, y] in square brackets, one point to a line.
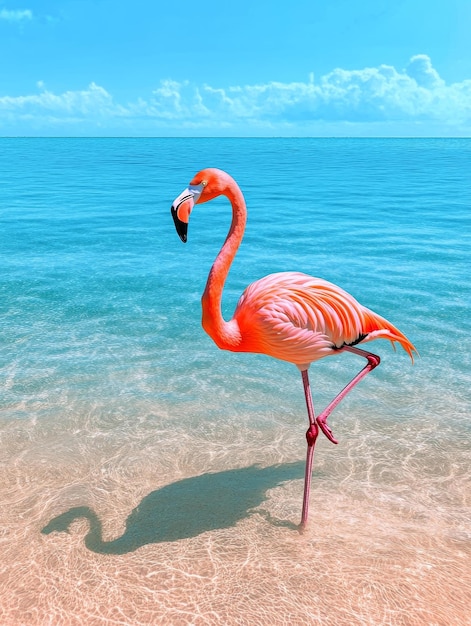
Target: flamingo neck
[226, 335]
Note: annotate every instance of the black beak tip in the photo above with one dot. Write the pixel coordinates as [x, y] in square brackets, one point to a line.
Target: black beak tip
[180, 227]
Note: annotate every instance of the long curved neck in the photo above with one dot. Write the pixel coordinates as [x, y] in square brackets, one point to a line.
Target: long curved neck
[225, 334]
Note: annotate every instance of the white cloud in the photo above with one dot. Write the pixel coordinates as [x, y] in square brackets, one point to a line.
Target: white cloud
[342, 98]
[376, 94]
[90, 102]
[11, 15]
[421, 70]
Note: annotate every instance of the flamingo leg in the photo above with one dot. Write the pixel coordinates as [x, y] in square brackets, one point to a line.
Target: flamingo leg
[321, 421]
[373, 361]
[311, 436]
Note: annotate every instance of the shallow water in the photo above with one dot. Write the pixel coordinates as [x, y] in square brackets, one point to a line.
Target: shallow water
[176, 468]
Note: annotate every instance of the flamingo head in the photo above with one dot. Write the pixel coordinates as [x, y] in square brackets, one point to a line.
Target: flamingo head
[206, 185]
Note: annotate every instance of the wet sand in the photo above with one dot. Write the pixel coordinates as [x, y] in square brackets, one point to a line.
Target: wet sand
[189, 532]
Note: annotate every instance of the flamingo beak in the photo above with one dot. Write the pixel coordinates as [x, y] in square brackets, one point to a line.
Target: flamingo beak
[180, 226]
[182, 207]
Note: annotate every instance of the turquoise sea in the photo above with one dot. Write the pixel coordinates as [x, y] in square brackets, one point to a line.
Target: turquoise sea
[177, 469]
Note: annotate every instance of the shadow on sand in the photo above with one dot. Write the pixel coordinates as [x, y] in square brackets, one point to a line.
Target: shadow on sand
[186, 508]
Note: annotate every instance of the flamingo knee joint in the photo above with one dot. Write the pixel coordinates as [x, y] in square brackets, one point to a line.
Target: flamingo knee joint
[373, 360]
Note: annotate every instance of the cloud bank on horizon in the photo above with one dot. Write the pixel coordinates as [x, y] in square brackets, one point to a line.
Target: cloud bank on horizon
[372, 100]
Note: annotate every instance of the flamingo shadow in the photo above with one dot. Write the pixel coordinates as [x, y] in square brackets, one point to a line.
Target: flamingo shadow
[186, 508]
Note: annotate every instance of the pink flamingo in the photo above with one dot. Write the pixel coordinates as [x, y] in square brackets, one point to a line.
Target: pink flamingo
[288, 315]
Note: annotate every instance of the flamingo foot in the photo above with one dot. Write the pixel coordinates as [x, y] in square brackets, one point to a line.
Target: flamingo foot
[326, 429]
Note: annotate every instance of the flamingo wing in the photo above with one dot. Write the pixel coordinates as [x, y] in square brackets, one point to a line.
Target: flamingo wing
[300, 319]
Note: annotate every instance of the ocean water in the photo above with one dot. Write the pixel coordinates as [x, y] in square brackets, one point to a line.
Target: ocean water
[148, 477]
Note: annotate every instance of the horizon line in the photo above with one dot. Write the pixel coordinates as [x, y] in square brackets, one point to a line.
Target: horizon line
[235, 136]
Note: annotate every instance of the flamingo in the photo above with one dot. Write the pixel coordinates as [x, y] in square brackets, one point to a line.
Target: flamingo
[288, 315]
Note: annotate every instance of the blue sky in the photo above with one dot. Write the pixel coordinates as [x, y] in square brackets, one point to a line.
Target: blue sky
[235, 68]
